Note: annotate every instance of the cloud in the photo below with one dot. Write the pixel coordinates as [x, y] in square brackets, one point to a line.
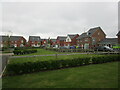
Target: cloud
[50, 19]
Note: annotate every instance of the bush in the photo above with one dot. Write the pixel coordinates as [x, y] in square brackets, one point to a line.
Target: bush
[86, 61]
[24, 51]
[28, 67]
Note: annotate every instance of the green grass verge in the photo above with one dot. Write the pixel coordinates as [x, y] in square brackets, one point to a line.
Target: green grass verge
[46, 58]
[42, 52]
[92, 76]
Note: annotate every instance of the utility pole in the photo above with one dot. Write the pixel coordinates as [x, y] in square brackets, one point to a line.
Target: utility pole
[9, 33]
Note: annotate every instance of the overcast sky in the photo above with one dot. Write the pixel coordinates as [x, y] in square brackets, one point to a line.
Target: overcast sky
[50, 19]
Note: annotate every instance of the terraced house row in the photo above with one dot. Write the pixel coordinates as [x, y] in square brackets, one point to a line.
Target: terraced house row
[87, 40]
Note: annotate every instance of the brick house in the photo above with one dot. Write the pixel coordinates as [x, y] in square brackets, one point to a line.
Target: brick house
[44, 42]
[34, 41]
[52, 42]
[109, 42]
[91, 38]
[71, 39]
[4, 41]
[118, 37]
[60, 41]
[17, 41]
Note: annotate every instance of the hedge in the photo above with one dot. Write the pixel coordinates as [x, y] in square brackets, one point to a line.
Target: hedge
[24, 51]
[28, 67]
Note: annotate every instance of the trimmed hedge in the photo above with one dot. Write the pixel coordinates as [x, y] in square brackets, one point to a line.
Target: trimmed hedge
[22, 48]
[24, 51]
[28, 67]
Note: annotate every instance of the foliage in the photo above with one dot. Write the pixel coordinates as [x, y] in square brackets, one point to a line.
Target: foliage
[24, 51]
[27, 67]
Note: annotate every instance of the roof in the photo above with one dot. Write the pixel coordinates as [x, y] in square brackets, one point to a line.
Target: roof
[53, 40]
[61, 38]
[89, 33]
[15, 38]
[118, 33]
[4, 38]
[34, 38]
[109, 41]
[83, 35]
[93, 30]
[72, 35]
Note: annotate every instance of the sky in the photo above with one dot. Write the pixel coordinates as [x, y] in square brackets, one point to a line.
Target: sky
[52, 19]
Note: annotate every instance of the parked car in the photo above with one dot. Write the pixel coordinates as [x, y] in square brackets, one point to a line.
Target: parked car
[72, 47]
[103, 48]
[64, 47]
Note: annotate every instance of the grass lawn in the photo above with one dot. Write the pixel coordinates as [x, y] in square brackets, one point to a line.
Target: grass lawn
[45, 58]
[42, 52]
[91, 76]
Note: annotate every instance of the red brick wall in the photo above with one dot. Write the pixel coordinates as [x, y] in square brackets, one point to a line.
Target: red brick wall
[85, 40]
[74, 41]
[18, 43]
[99, 37]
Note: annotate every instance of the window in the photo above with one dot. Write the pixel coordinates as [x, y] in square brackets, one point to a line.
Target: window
[1, 45]
[98, 33]
[86, 39]
[21, 41]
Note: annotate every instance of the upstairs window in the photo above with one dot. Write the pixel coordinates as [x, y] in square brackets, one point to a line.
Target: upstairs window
[86, 39]
[98, 33]
[21, 41]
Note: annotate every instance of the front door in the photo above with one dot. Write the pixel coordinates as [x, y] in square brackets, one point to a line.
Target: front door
[86, 46]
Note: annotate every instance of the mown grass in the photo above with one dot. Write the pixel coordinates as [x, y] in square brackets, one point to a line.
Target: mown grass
[92, 76]
[46, 58]
[42, 52]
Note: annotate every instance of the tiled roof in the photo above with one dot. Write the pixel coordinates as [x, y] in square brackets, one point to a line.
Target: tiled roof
[72, 35]
[109, 41]
[118, 33]
[61, 38]
[53, 40]
[92, 31]
[4, 38]
[15, 38]
[89, 33]
[34, 38]
[83, 35]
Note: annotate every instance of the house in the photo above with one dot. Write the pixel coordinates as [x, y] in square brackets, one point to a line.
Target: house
[34, 41]
[118, 34]
[109, 42]
[90, 39]
[71, 39]
[17, 41]
[60, 41]
[4, 41]
[44, 42]
[52, 42]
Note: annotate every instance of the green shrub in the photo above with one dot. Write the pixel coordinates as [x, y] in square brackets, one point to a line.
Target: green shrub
[24, 51]
[86, 61]
[28, 67]
[64, 63]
